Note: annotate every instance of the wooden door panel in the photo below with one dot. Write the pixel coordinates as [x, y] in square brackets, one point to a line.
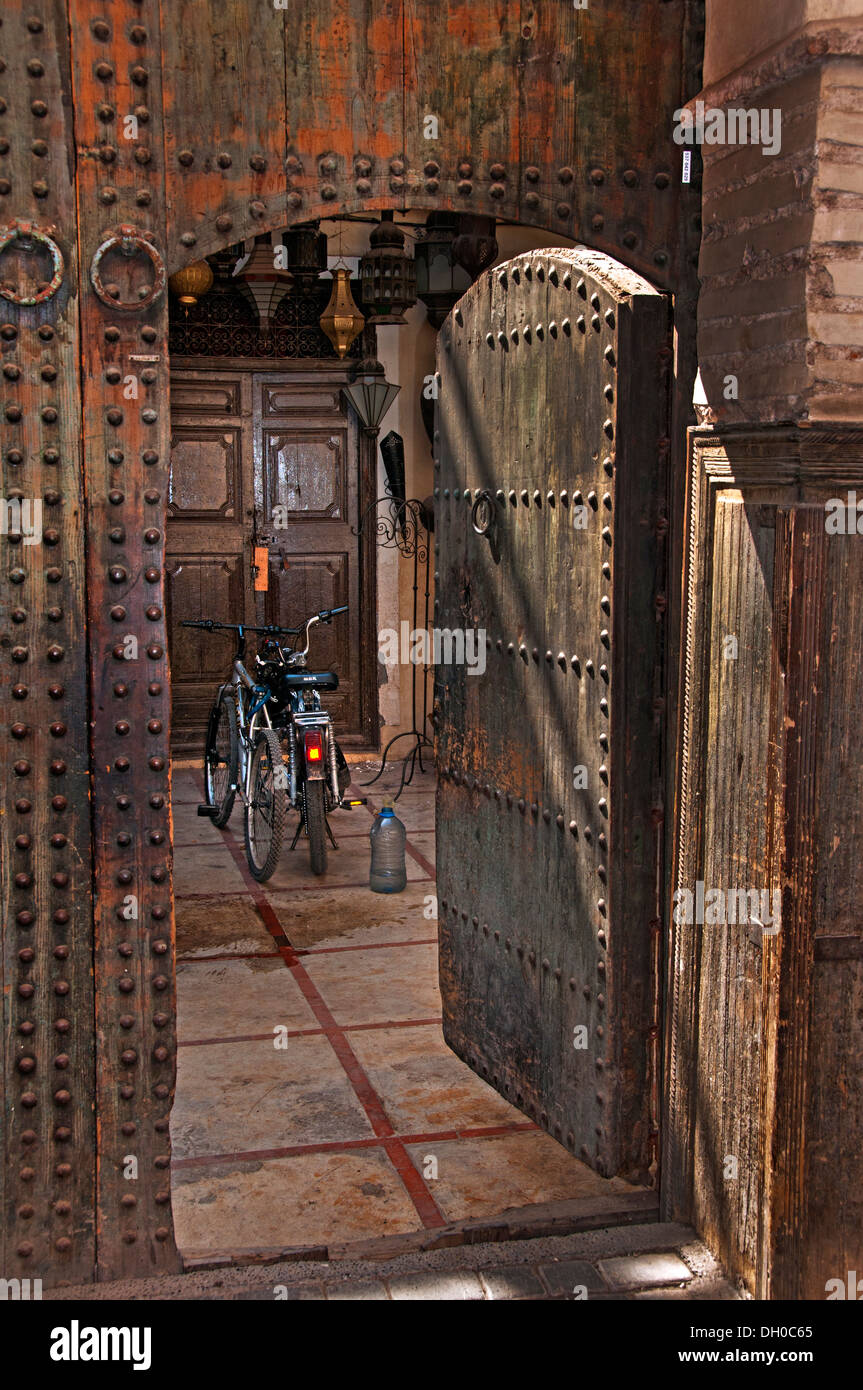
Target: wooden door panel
[209, 586]
[551, 401]
[738, 733]
[205, 473]
[304, 472]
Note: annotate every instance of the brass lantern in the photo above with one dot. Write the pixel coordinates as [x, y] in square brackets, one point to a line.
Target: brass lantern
[341, 320]
[191, 283]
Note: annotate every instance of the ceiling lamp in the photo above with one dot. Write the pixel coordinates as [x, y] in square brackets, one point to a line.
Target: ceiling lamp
[371, 395]
[441, 281]
[268, 285]
[475, 247]
[388, 275]
[190, 283]
[307, 251]
[341, 320]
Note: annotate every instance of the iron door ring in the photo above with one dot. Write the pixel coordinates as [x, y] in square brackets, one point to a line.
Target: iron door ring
[485, 528]
[129, 241]
[20, 228]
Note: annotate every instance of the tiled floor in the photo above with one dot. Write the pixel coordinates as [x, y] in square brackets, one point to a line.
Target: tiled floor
[316, 1100]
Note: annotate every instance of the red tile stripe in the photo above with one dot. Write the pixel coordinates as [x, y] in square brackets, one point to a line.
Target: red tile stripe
[309, 950]
[425, 1205]
[347, 1145]
[315, 1032]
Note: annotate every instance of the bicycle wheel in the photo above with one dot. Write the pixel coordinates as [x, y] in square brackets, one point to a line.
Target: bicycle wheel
[267, 810]
[221, 759]
[313, 796]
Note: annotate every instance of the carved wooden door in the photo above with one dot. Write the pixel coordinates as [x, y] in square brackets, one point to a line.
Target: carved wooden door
[270, 461]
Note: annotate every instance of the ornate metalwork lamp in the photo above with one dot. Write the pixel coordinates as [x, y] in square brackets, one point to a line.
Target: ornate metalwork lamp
[341, 320]
[441, 281]
[371, 395]
[388, 275]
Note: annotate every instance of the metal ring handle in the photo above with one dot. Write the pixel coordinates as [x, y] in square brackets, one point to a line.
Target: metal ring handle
[19, 228]
[484, 496]
[128, 240]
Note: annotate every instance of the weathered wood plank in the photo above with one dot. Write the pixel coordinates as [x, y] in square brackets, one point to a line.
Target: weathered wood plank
[461, 71]
[775, 738]
[125, 443]
[223, 78]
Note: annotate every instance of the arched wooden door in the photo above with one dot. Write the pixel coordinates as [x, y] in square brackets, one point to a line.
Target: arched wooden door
[551, 421]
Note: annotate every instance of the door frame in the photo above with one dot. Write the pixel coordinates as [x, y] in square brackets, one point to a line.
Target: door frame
[309, 368]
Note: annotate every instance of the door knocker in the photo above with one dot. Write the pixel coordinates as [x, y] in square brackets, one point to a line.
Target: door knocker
[128, 241]
[484, 521]
[27, 232]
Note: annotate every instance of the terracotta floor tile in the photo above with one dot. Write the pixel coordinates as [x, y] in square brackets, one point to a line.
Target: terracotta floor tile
[378, 986]
[482, 1177]
[208, 869]
[233, 998]
[424, 1086]
[290, 1201]
[228, 926]
[354, 916]
[234, 1097]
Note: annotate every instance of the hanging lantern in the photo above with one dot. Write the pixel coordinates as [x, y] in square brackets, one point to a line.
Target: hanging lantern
[388, 275]
[268, 286]
[307, 252]
[475, 247]
[191, 283]
[341, 320]
[441, 281]
[371, 395]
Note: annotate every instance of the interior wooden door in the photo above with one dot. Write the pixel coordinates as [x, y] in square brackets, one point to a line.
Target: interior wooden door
[210, 507]
[278, 460]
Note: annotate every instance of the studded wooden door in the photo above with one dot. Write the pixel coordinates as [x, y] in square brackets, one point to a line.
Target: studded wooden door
[551, 418]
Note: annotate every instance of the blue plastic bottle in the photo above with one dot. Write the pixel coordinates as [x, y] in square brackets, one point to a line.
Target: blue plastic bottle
[388, 873]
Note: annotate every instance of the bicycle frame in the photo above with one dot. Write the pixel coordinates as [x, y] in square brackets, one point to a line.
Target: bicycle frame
[244, 692]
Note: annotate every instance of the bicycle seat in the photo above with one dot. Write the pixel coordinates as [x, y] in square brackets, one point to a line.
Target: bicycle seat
[302, 680]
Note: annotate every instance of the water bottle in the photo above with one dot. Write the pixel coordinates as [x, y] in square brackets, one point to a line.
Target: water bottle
[388, 873]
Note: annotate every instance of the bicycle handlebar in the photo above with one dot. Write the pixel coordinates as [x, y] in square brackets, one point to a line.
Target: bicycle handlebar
[209, 625]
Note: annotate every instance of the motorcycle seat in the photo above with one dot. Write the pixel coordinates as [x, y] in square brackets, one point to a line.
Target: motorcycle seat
[318, 680]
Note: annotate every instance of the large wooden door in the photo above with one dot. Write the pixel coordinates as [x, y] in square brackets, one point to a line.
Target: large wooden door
[548, 803]
[271, 460]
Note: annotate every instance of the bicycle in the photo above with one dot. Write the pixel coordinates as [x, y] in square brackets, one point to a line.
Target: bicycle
[243, 754]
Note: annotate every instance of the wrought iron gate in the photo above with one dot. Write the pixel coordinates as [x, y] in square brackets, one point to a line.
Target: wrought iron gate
[550, 463]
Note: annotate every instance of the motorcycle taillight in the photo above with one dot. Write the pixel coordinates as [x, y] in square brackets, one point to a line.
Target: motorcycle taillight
[314, 745]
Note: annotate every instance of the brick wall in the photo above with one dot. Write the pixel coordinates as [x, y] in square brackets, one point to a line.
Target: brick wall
[781, 266]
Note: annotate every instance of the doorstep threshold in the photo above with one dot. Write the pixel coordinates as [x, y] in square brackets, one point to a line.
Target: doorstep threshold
[639, 1207]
